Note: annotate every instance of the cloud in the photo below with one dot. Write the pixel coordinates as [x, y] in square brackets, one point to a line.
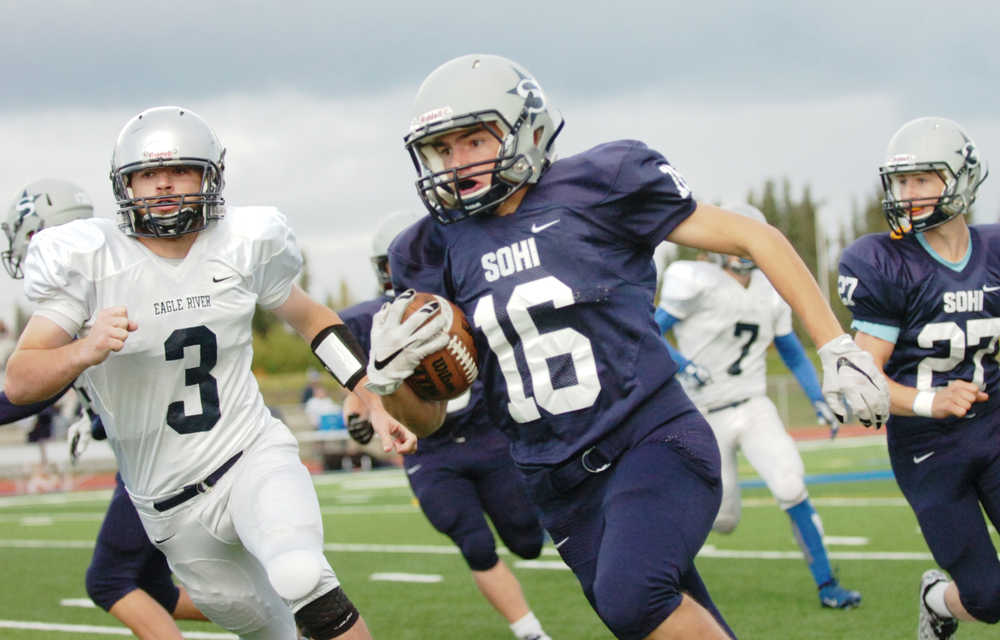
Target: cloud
[334, 161]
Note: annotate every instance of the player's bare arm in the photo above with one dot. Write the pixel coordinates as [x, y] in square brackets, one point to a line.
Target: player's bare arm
[47, 359]
[714, 229]
[851, 381]
[309, 318]
[954, 400]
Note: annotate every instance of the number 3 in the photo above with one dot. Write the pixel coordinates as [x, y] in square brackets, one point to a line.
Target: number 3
[202, 337]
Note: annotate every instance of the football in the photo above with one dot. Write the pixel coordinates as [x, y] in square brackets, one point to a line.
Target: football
[447, 373]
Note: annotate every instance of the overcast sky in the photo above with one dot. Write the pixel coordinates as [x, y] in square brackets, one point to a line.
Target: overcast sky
[312, 102]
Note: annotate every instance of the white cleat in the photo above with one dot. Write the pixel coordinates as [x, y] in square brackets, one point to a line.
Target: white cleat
[931, 625]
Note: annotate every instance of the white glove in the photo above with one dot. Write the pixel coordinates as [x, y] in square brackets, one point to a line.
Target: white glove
[398, 347]
[694, 376]
[852, 382]
[824, 415]
[78, 435]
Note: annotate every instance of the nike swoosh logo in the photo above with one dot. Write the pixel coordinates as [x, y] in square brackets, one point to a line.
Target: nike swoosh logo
[991, 289]
[380, 364]
[538, 228]
[415, 468]
[214, 279]
[165, 539]
[561, 542]
[919, 459]
[831, 602]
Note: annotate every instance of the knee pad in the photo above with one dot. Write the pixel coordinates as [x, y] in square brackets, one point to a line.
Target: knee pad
[981, 598]
[789, 491]
[627, 613]
[328, 616]
[526, 544]
[106, 590]
[478, 548]
[293, 574]
[726, 522]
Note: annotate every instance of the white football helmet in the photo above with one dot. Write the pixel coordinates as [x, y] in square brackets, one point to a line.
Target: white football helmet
[41, 204]
[738, 264]
[931, 144]
[393, 225]
[164, 137]
[472, 91]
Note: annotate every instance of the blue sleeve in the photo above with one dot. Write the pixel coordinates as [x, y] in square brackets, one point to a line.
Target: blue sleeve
[664, 321]
[10, 412]
[794, 357]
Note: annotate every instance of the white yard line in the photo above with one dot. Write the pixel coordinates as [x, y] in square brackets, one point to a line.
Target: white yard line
[101, 630]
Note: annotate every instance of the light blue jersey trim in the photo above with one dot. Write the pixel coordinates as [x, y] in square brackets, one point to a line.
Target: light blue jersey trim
[954, 266]
[881, 331]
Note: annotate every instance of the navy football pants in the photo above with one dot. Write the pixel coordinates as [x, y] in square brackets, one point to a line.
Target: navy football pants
[946, 490]
[457, 483]
[124, 558]
[630, 533]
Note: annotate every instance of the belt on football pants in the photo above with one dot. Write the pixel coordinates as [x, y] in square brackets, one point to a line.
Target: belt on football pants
[728, 406]
[191, 490]
[595, 459]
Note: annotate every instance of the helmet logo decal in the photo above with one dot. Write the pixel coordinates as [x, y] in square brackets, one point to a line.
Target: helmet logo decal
[161, 146]
[527, 88]
[25, 207]
[902, 158]
[434, 115]
[969, 153]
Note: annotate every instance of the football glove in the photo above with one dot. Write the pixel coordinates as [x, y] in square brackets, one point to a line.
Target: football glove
[824, 415]
[852, 383]
[694, 376]
[398, 346]
[361, 431]
[78, 435]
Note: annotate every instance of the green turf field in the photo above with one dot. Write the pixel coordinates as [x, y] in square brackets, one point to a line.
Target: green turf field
[372, 527]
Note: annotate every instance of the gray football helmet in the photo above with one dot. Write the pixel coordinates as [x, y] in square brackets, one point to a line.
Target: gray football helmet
[393, 225]
[931, 144]
[737, 264]
[472, 91]
[41, 204]
[164, 137]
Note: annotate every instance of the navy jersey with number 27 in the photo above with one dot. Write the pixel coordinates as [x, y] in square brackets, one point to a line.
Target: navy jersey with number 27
[560, 295]
[944, 318]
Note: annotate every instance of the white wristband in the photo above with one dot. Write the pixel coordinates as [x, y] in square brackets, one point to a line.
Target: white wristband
[923, 403]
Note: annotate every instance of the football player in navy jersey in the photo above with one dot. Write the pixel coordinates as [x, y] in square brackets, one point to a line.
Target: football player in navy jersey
[462, 471]
[926, 303]
[552, 264]
[127, 577]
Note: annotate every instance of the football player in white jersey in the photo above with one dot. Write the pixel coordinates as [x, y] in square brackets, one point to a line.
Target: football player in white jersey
[725, 314]
[162, 302]
[127, 576]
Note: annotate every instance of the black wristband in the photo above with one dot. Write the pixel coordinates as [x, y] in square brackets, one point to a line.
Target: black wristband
[341, 354]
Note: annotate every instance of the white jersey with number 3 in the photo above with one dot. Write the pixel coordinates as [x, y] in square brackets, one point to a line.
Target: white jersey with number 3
[724, 327]
[179, 399]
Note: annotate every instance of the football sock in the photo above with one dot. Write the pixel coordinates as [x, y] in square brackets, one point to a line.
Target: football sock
[527, 627]
[935, 600]
[808, 531]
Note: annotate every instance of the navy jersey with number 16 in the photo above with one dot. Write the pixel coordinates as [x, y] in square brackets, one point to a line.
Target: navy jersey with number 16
[560, 295]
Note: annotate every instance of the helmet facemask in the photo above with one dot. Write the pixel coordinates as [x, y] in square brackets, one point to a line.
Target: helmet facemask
[193, 212]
